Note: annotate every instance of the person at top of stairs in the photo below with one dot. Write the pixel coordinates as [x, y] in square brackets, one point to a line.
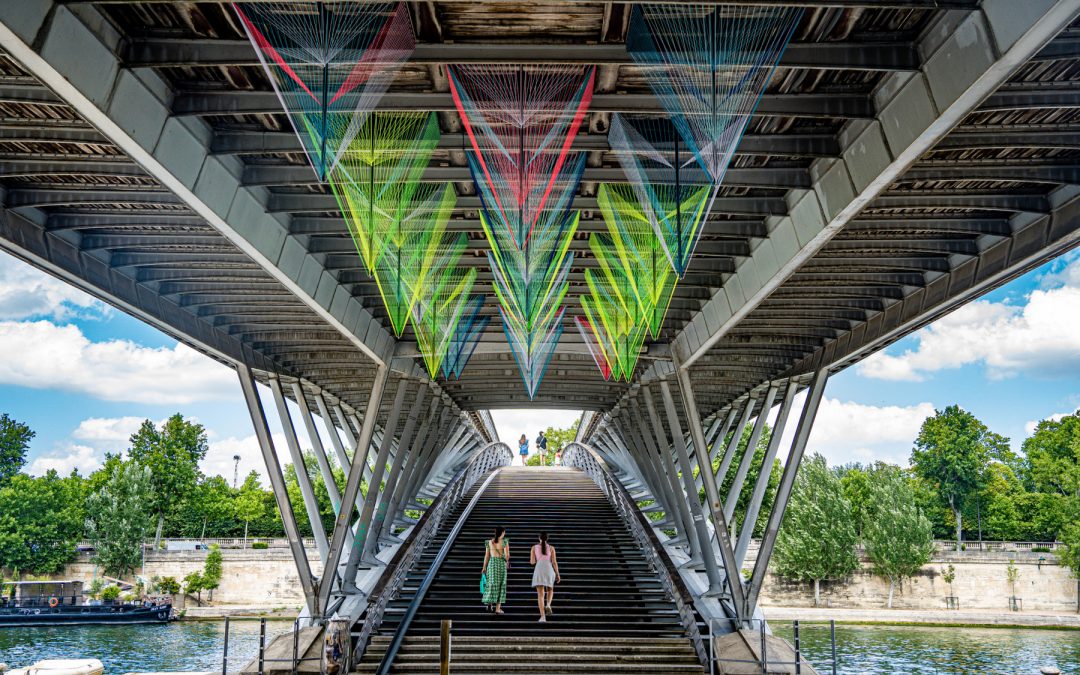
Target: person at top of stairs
[545, 574]
[496, 562]
[541, 447]
[523, 449]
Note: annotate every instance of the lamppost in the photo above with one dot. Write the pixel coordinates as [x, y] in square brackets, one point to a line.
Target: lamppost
[236, 470]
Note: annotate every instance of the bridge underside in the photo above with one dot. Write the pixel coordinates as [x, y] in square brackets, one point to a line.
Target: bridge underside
[904, 159]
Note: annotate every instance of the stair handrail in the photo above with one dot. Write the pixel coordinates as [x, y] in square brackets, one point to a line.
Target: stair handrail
[429, 578]
[490, 457]
[580, 456]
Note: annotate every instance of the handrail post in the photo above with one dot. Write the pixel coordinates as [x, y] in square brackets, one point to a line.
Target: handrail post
[295, 644]
[798, 651]
[262, 645]
[832, 639]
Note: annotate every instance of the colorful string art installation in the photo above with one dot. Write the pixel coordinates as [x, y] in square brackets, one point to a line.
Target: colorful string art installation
[439, 307]
[614, 325]
[396, 220]
[329, 63]
[709, 66]
[470, 326]
[521, 123]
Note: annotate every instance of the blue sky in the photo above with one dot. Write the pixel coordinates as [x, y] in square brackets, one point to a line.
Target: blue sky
[83, 375]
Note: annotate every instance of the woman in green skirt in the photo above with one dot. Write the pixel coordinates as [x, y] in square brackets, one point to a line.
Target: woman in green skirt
[496, 561]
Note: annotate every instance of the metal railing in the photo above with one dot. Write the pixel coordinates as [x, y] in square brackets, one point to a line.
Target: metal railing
[766, 662]
[389, 586]
[262, 660]
[581, 457]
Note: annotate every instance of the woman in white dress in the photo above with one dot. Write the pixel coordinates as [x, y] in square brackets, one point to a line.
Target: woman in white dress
[545, 574]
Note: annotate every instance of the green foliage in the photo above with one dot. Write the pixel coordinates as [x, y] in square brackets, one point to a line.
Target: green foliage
[41, 521]
[95, 588]
[259, 545]
[168, 586]
[751, 477]
[856, 483]
[817, 538]
[952, 453]
[110, 593]
[948, 575]
[250, 503]
[195, 584]
[1053, 456]
[172, 454]
[1012, 575]
[118, 519]
[899, 539]
[212, 570]
[15, 439]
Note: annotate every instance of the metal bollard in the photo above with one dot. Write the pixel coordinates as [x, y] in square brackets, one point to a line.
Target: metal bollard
[225, 650]
[262, 646]
[444, 647]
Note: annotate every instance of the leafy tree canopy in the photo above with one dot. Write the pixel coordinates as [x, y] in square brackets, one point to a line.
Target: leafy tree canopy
[118, 519]
[15, 439]
[41, 521]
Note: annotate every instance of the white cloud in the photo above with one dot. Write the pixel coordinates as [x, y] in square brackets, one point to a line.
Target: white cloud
[108, 430]
[846, 431]
[63, 460]
[1029, 427]
[27, 293]
[512, 423]
[1040, 338]
[48, 356]
[219, 458]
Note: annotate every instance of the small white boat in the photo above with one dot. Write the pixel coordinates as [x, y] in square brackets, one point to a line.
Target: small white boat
[62, 667]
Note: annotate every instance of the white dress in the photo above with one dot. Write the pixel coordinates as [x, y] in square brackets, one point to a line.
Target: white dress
[544, 572]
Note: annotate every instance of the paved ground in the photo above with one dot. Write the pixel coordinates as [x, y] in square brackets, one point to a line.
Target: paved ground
[941, 616]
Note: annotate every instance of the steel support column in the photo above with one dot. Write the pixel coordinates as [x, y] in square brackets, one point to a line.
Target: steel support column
[712, 571]
[783, 492]
[679, 501]
[736, 436]
[748, 455]
[746, 530]
[646, 468]
[723, 537]
[379, 527]
[303, 479]
[317, 447]
[412, 467]
[348, 497]
[718, 441]
[281, 494]
[362, 544]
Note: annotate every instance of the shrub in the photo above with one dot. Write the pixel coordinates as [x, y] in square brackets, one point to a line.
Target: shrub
[168, 586]
[1040, 549]
[259, 545]
[110, 593]
[95, 589]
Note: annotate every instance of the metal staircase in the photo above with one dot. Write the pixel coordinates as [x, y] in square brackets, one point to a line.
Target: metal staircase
[612, 613]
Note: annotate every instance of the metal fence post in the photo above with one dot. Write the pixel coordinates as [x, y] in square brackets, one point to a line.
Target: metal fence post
[764, 658]
[295, 643]
[444, 647]
[262, 645]
[225, 650]
[798, 651]
[832, 639]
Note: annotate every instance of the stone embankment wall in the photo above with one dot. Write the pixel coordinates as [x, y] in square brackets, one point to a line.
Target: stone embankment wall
[257, 578]
[267, 578]
[981, 583]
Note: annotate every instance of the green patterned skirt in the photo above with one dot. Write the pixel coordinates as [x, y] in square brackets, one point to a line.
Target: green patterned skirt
[495, 592]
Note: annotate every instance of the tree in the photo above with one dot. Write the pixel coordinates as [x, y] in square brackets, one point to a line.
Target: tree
[212, 570]
[817, 538]
[1069, 555]
[1053, 456]
[195, 584]
[168, 586]
[15, 439]
[118, 519]
[856, 482]
[172, 454]
[40, 522]
[250, 504]
[899, 538]
[952, 453]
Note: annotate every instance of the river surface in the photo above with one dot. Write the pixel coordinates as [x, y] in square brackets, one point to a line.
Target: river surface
[873, 650]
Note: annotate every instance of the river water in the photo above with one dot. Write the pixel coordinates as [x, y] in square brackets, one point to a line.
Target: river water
[870, 650]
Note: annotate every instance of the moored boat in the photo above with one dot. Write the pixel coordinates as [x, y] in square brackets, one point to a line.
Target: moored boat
[62, 667]
[59, 603]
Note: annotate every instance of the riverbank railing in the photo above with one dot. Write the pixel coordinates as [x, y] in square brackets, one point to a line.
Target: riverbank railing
[770, 656]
